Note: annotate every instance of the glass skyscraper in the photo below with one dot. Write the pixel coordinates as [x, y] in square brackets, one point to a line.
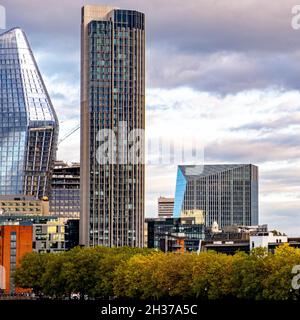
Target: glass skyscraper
[112, 102]
[28, 123]
[227, 194]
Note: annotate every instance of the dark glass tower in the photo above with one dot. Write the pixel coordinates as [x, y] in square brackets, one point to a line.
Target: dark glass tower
[28, 123]
[112, 100]
[227, 194]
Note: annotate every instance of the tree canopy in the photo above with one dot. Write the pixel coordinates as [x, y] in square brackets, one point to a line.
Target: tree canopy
[102, 272]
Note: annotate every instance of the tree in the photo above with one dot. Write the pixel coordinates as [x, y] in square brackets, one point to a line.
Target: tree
[30, 272]
[277, 285]
[249, 272]
[211, 276]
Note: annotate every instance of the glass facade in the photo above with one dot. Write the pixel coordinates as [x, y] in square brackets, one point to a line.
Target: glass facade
[28, 123]
[115, 91]
[159, 229]
[179, 194]
[65, 190]
[227, 194]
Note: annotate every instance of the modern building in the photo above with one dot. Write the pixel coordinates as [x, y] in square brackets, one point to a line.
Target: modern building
[165, 207]
[15, 242]
[267, 239]
[71, 234]
[230, 239]
[49, 234]
[226, 194]
[55, 235]
[24, 205]
[28, 123]
[65, 190]
[112, 127]
[174, 234]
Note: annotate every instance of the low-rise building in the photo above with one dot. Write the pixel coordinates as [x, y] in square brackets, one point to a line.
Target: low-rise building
[24, 205]
[174, 234]
[268, 240]
[50, 234]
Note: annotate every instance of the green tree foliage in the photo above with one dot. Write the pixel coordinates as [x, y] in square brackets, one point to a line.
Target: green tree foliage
[148, 274]
[211, 276]
[32, 269]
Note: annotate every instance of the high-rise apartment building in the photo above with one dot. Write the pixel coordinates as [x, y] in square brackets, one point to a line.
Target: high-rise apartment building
[65, 190]
[226, 194]
[112, 108]
[165, 207]
[28, 123]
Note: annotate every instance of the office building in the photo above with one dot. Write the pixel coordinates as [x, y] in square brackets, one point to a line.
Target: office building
[28, 123]
[174, 234]
[165, 207]
[71, 234]
[112, 118]
[24, 205]
[226, 194]
[15, 242]
[65, 190]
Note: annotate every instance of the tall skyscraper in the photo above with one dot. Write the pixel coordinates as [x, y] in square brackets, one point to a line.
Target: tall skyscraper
[227, 194]
[28, 123]
[112, 107]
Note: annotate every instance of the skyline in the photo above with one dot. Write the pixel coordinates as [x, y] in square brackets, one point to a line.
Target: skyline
[239, 117]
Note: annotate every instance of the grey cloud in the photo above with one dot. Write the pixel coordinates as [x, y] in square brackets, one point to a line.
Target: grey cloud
[224, 72]
[275, 148]
[281, 216]
[185, 41]
[192, 26]
[271, 125]
[282, 178]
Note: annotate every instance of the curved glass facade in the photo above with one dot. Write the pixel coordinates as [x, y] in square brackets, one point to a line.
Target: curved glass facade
[28, 123]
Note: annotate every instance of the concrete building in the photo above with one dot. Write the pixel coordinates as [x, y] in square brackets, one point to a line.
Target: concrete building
[230, 239]
[165, 207]
[227, 194]
[112, 118]
[24, 205]
[15, 242]
[266, 239]
[55, 235]
[28, 122]
[65, 190]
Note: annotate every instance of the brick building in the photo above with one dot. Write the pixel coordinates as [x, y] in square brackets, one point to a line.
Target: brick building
[15, 241]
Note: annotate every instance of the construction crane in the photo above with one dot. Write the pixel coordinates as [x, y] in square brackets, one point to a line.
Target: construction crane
[69, 134]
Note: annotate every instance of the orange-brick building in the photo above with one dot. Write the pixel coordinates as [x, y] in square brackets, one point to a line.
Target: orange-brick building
[15, 241]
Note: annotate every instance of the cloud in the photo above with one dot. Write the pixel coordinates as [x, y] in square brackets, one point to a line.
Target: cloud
[228, 71]
[215, 46]
[266, 133]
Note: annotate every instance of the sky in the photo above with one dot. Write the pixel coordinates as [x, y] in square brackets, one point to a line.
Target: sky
[227, 71]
